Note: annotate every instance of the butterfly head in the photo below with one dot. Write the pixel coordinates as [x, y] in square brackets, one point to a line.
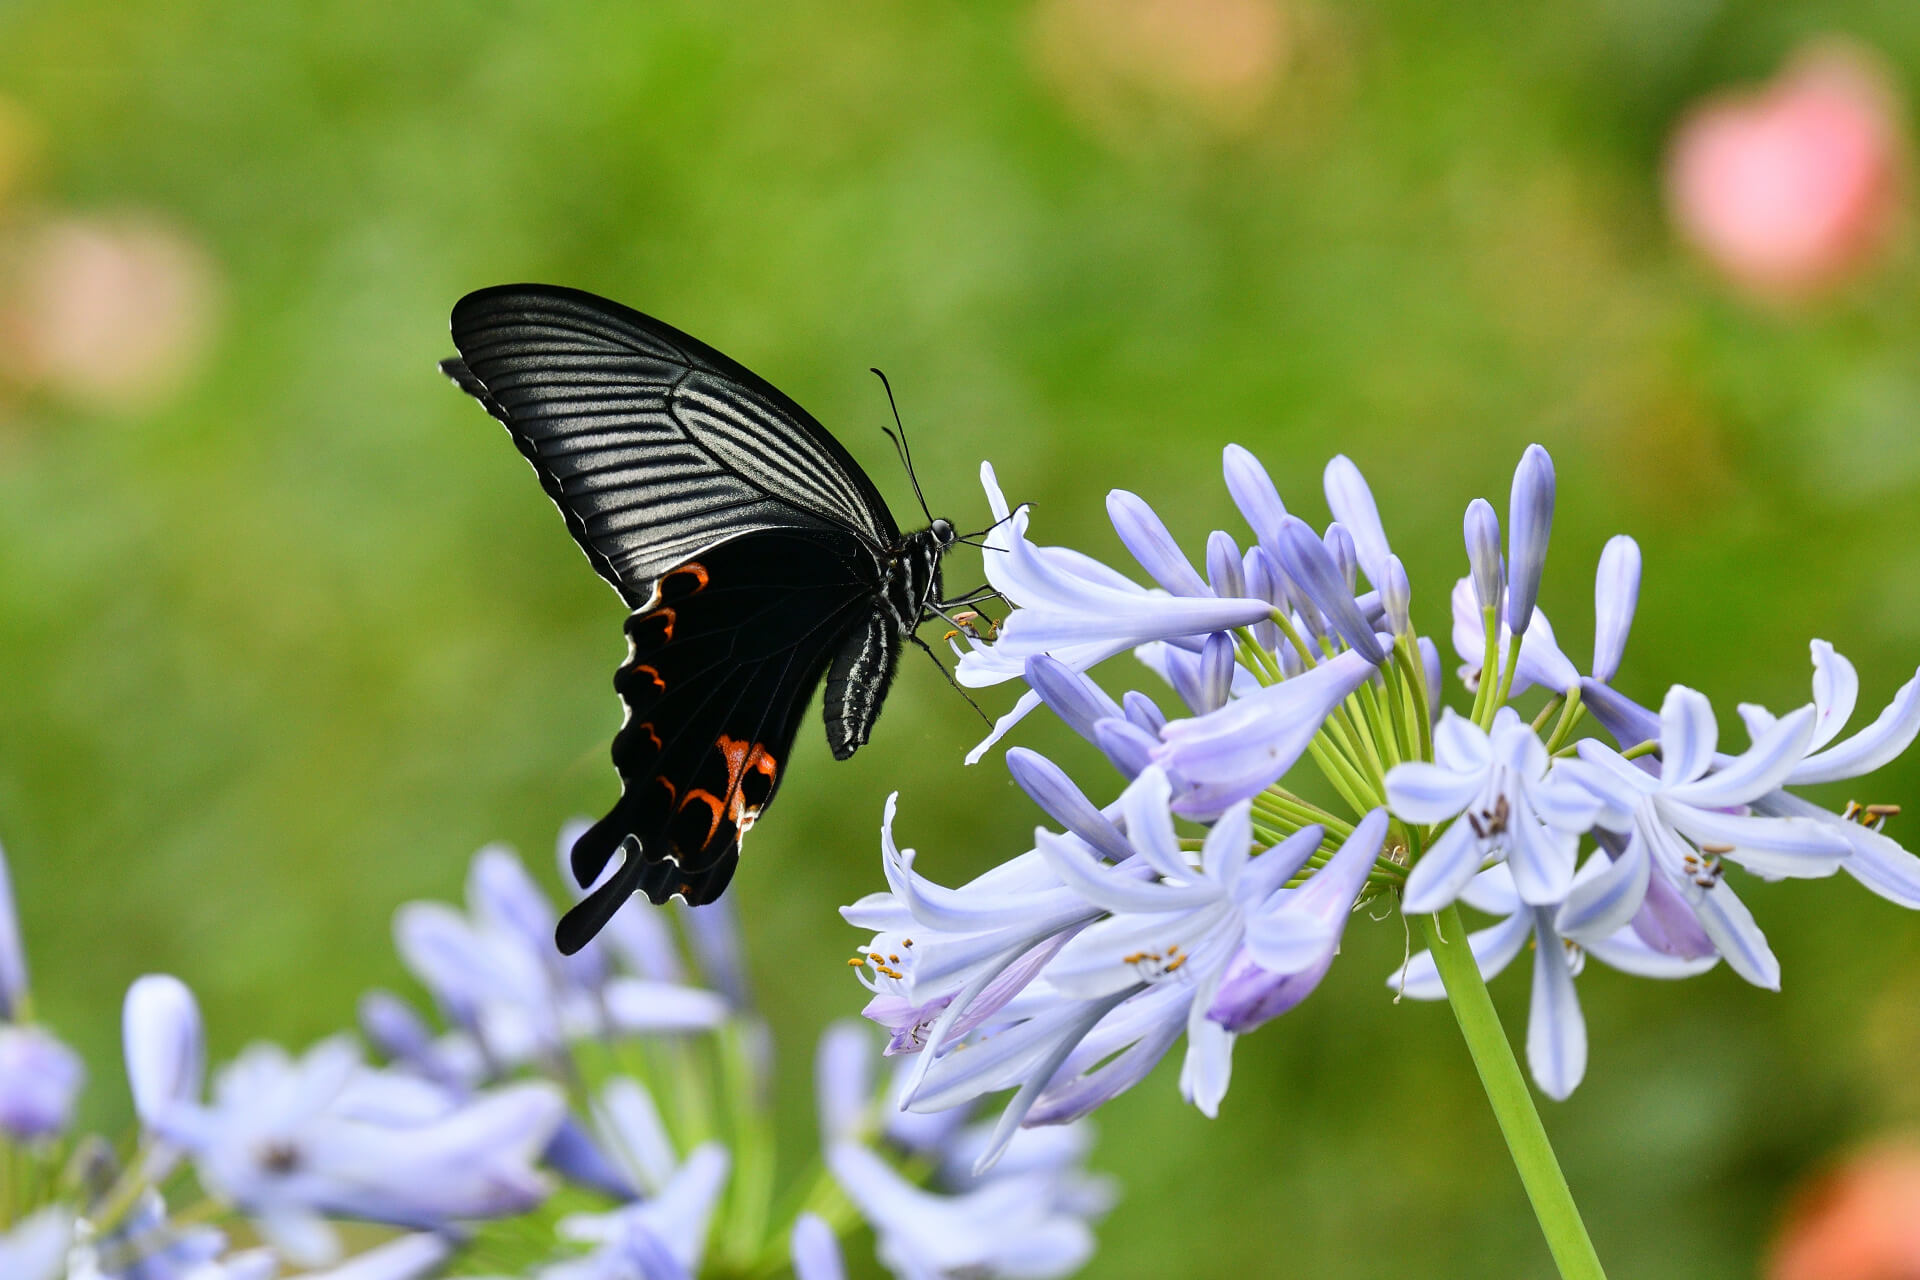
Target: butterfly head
[943, 534]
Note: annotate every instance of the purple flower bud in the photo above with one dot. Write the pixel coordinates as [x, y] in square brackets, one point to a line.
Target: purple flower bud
[1127, 746]
[39, 1077]
[1147, 538]
[1223, 566]
[392, 1026]
[1251, 994]
[1252, 741]
[1144, 711]
[1616, 593]
[1529, 524]
[165, 1046]
[1216, 673]
[1069, 694]
[1396, 596]
[1050, 788]
[1263, 583]
[13, 957]
[1254, 494]
[1483, 553]
[1351, 502]
[1339, 544]
[1430, 661]
[1307, 563]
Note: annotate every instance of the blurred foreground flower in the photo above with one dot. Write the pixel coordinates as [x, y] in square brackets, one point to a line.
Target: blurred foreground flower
[620, 1069]
[1209, 895]
[1795, 187]
[1860, 1221]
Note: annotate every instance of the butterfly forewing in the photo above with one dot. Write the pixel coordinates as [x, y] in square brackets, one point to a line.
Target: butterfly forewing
[756, 555]
[652, 444]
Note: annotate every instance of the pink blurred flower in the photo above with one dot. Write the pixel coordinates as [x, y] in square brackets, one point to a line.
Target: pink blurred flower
[1795, 187]
[1861, 1221]
[113, 313]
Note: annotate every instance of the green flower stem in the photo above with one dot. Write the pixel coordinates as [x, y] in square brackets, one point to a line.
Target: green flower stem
[1286, 807]
[1569, 719]
[1512, 1102]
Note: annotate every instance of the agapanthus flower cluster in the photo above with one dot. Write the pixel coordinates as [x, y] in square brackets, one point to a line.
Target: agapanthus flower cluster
[1204, 890]
[602, 1116]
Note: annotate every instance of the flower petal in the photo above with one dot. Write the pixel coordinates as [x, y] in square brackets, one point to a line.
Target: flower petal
[1877, 744]
[1145, 535]
[1556, 1033]
[1597, 906]
[1688, 736]
[1443, 871]
[1616, 594]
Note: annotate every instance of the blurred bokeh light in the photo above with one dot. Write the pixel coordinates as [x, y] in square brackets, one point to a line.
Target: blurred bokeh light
[287, 630]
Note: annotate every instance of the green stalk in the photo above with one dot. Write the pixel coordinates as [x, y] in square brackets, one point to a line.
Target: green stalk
[1569, 718]
[1512, 1103]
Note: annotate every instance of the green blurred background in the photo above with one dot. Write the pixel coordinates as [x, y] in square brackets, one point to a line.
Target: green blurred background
[287, 630]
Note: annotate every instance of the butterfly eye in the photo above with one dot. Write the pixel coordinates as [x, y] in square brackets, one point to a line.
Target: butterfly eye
[942, 531]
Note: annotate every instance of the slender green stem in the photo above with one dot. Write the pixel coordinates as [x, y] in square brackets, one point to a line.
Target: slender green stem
[1569, 719]
[1512, 1102]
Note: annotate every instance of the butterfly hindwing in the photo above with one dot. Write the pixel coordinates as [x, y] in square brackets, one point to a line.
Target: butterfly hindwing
[723, 658]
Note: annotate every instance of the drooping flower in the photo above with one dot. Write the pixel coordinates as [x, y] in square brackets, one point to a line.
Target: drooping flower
[1687, 818]
[1009, 1227]
[1078, 610]
[1556, 1031]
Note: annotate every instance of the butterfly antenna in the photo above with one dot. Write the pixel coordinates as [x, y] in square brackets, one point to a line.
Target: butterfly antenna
[900, 444]
[928, 650]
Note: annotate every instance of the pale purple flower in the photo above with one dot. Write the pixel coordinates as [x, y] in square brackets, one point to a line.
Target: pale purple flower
[943, 960]
[1008, 1227]
[1616, 594]
[164, 1044]
[36, 1246]
[1878, 861]
[1541, 660]
[292, 1140]
[1529, 525]
[1291, 947]
[1253, 492]
[1556, 1031]
[1486, 570]
[495, 973]
[406, 1257]
[13, 956]
[661, 1237]
[1305, 559]
[1076, 609]
[39, 1079]
[1352, 504]
[814, 1251]
[1508, 807]
[1689, 817]
[1230, 754]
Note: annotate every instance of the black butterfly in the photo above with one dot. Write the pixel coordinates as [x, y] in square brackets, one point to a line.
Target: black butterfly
[755, 554]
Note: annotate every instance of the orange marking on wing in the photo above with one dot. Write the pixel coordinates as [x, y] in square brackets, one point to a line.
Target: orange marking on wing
[743, 758]
[672, 791]
[711, 801]
[641, 668]
[692, 568]
[647, 728]
[667, 618]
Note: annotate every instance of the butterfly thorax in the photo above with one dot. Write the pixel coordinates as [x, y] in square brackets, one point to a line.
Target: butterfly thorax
[913, 575]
